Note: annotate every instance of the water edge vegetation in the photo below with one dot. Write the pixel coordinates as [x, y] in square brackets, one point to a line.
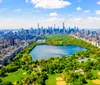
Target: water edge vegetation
[37, 72]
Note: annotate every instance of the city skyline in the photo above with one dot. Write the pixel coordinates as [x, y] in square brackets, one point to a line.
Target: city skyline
[27, 13]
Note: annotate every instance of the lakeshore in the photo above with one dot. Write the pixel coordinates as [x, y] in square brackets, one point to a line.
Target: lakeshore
[40, 69]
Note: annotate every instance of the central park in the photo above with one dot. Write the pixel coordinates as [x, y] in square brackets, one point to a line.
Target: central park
[80, 66]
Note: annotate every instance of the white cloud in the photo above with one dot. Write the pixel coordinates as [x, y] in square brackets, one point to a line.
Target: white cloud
[75, 19]
[97, 12]
[0, 0]
[88, 22]
[78, 8]
[3, 9]
[26, 1]
[98, 2]
[8, 19]
[36, 10]
[86, 11]
[50, 4]
[94, 18]
[78, 0]
[54, 14]
[55, 19]
[69, 15]
[18, 10]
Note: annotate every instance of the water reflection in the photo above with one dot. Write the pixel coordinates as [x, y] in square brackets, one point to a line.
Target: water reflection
[46, 51]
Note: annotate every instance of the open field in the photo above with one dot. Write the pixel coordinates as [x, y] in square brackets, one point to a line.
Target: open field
[92, 82]
[15, 76]
[95, 73]
[52, 79]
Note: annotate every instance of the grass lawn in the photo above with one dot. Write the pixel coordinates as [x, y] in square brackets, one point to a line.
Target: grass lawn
[95, 73]
[15, 76]
[52, 79]
[90, 83]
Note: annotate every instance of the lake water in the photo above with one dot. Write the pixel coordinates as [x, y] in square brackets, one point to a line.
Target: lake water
[47, 51]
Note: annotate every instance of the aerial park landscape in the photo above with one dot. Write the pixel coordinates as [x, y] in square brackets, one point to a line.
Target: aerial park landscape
[80, 68]
[49, 42]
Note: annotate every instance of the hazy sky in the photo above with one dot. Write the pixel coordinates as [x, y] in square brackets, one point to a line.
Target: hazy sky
[27, 13]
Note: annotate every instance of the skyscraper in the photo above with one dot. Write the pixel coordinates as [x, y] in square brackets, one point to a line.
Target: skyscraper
[63, 27]
[12, 41]
[38, 26]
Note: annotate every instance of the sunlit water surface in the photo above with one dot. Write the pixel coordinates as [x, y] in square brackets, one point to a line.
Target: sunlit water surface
[47, 51]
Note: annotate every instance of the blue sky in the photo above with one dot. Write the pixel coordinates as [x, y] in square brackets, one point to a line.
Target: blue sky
[27, 13]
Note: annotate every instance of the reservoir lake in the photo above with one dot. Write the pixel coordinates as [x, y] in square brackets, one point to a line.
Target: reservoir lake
[47, 51]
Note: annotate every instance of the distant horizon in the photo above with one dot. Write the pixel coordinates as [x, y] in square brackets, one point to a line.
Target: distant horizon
[46, 28]
[27, 13]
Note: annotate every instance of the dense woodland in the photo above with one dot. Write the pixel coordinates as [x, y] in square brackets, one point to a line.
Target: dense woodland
[38, 70]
